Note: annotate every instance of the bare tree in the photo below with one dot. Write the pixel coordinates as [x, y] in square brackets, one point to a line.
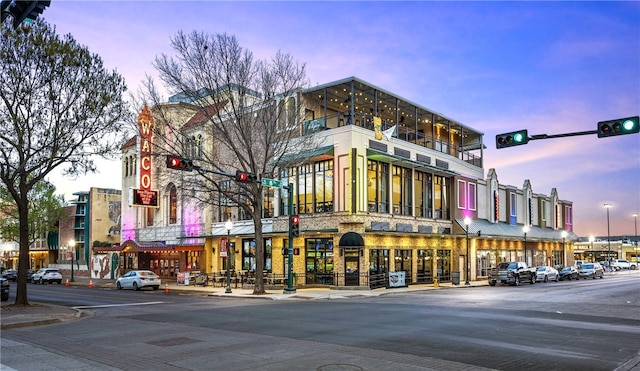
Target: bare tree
[250, 111]
[58, 105]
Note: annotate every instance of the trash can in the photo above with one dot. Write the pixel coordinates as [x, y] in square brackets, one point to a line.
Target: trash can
[455, 278]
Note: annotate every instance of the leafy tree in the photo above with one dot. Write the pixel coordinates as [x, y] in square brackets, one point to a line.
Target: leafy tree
[248, 110]
[58, 105]
[45, 210]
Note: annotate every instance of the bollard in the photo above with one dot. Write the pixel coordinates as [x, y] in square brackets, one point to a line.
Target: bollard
[435, 282]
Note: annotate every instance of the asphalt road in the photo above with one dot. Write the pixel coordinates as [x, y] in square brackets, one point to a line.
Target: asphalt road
[586, 325]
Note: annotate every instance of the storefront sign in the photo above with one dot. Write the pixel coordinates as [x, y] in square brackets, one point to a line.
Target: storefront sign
[396, 279]
[223, 247]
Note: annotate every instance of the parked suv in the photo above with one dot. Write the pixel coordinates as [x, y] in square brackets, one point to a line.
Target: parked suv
[624, 264]
[47, 275]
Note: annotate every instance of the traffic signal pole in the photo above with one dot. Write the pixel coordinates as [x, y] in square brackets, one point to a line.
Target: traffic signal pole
[290, 289]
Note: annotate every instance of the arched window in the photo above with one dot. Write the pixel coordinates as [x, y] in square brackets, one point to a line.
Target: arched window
[173, 205]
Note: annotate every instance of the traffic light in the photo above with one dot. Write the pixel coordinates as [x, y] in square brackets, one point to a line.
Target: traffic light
[515, 138]
[179, 163]
[21, 10]
[244, 177]
[294, 225]
[627, 125]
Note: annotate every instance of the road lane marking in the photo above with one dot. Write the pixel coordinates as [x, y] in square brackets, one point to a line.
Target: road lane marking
[117, 305]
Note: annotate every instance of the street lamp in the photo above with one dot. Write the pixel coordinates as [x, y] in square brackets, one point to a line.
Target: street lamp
[564, 236]
[467, 221]
[72, 245]
[591, 239]
[228, 225]
[608, 206]
[525, 229]
[635, 242]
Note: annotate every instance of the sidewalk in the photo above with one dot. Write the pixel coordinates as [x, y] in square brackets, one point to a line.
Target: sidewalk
[37, 314]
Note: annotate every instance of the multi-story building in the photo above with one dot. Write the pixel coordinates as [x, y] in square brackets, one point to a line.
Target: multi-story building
[395, 193]
[94, 223]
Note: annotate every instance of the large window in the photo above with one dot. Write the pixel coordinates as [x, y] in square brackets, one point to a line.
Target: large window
[378, 186]
[249, 254]
[440, 197]
[324, 186]
[401, 191]
[173, 205]
[378, 261]
[314, 191]
[424, 198]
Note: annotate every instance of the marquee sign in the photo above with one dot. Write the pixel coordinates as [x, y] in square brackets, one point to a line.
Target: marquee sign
[144, 196]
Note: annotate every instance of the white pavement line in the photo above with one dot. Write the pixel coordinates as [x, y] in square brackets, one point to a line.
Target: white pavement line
[118, 305]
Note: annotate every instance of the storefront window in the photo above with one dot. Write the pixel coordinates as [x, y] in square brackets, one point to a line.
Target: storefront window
[378, 261]
[249, 255]
[377, 186]
[319, 260]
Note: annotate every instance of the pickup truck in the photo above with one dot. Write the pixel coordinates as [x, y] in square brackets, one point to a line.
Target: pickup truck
[512, 273]
[623, 264]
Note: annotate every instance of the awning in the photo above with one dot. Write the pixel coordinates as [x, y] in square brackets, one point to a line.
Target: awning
[245, 227]
[316, 154]
[351, 239]
[156, 246]
[489, 229]
[405, 162]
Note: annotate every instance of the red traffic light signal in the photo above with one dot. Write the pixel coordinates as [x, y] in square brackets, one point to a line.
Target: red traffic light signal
[294, 225]
[296, 251]
[514, 138]
[179, 163]
[627, 125]
[243, 177]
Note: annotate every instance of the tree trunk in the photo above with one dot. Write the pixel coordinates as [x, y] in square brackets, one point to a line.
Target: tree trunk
[23, 257]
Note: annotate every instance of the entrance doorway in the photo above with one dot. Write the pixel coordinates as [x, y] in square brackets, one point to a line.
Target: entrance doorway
[352, 266]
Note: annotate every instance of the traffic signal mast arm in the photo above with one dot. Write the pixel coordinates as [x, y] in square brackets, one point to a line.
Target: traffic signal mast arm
[609, 128]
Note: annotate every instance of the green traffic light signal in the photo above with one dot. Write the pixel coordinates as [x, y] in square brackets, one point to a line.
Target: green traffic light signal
[627, 125]
[515, 138]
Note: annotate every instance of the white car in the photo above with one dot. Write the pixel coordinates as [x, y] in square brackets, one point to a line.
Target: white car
[47, 275]
[547, 273]
[138, 279]
[623, 264]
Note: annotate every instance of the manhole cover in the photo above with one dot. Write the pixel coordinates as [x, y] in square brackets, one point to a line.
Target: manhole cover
[339, 367]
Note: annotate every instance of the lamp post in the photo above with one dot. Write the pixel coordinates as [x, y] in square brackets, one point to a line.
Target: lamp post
[608, 206]
[591, 239]
[72, 245]
[564, 236]
[228, 225]
[467, 221]
[525, 229]
[635, 223]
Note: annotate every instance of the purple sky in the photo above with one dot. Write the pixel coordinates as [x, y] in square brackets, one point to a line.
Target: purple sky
[549, 67]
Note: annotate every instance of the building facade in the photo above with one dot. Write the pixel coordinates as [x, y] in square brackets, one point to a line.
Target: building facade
[393, 194]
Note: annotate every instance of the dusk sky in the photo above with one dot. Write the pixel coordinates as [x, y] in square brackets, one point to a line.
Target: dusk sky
[549, 67]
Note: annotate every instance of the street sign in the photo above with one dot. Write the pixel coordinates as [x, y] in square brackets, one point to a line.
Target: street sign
[271, 183]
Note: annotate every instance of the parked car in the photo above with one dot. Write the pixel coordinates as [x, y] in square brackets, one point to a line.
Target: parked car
[137, 280]
[591, 270]
[623, 264]
[47, 275]
[30, 273]
[569, 273]
[10, 274]
[4, 289]
[546, 273]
